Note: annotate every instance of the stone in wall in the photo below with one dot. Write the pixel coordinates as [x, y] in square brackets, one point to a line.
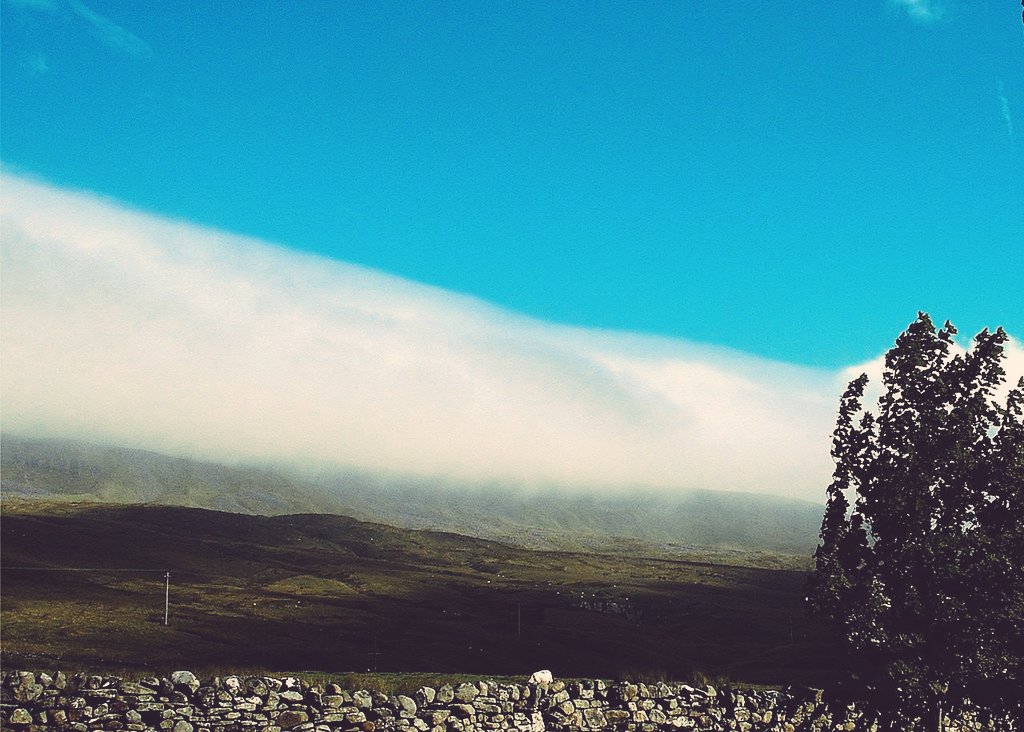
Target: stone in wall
[31, 702]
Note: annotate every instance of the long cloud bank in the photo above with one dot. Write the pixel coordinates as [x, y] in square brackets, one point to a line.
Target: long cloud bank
[129, 328]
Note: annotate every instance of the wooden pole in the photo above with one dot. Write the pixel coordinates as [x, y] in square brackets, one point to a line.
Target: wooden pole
[167, 595]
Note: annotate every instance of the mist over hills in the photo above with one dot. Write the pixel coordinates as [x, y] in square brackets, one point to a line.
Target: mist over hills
[718, 524]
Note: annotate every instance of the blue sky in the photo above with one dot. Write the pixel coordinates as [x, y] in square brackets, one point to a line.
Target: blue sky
[596, 245]
[790, 179]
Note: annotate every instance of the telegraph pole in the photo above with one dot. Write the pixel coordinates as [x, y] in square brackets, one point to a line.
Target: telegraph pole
[375, 654]
[167, 595]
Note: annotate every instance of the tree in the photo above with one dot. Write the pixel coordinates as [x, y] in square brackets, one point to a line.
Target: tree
[923, 575]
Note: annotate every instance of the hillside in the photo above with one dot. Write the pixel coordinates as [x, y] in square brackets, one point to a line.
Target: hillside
[722, 527]
[329, 593]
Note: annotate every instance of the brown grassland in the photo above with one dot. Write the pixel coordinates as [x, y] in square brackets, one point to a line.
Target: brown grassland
[329, 594]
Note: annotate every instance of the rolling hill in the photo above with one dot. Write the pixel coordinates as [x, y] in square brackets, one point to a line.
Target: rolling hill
[717, 526]
[83, 586]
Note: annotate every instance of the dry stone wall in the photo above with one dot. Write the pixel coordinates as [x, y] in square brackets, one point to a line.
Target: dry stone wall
[182, 703]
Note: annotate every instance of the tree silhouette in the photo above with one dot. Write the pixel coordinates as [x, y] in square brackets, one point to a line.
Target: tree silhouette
[924, 574]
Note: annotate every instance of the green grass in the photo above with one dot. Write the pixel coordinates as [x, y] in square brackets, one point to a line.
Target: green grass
[330, 595]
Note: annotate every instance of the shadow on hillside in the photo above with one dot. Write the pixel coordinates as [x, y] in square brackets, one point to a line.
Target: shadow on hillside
[332, 594]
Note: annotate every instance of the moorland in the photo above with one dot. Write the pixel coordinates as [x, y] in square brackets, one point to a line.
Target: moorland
[322, 592]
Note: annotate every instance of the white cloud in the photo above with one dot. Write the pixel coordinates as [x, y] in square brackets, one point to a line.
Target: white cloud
[926, 11]
[1004, 108]
[103, 28]
[125, 327]
[110, 32]
[1013, 364]
[37, 63]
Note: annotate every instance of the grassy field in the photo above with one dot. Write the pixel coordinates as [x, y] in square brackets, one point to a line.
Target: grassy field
[330, 594]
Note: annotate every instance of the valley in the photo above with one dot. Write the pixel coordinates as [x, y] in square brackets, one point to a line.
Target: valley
[328, 593]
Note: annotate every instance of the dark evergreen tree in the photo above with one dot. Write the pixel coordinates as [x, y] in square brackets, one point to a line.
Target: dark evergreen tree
[924, 573]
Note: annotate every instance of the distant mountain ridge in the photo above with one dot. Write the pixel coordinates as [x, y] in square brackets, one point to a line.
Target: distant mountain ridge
[636, 522]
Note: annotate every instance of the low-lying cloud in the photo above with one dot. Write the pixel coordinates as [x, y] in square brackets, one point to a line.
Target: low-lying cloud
[133, 329]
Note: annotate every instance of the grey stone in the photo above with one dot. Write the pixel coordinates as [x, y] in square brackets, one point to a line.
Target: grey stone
[425, 695]
[595, 718]
[438, 717]
[185, 679]
[616, 716]
[28, 691]
[406, 706]
[291, 718]
[182, 726]
[59, 717]
[466, 693]
[101, 710]
[362, 699]
[558, 698]
[464, 710]
[132, 689]
[20, 716]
